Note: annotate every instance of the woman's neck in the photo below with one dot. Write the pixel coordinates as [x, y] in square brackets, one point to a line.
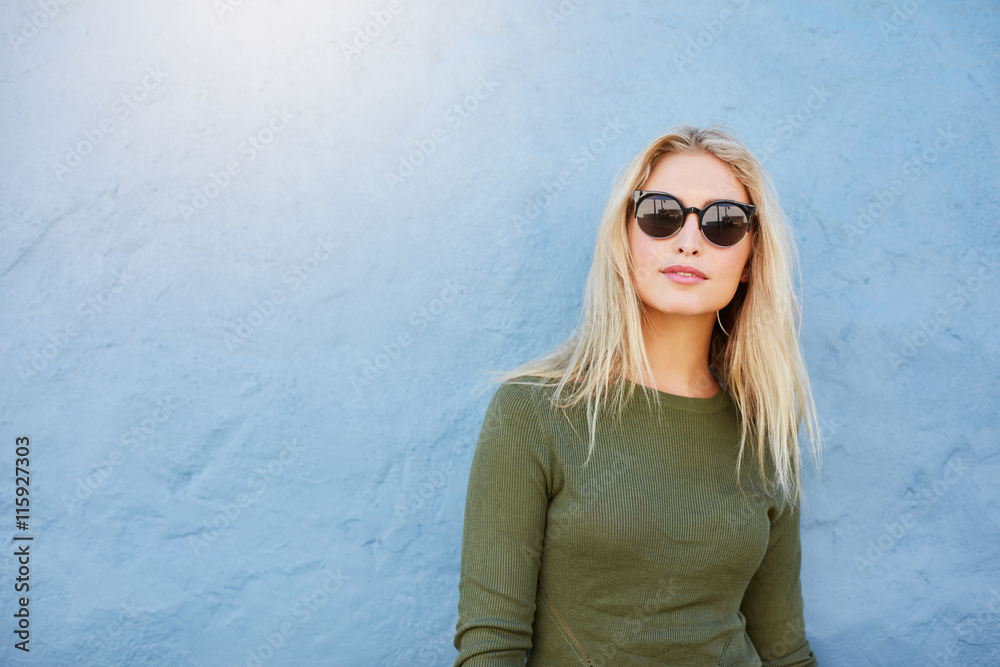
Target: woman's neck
[677, 348]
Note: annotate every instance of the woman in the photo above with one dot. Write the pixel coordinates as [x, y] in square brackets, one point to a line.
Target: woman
[611, 516]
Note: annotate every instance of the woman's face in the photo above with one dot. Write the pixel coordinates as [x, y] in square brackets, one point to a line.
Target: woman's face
[696, 180]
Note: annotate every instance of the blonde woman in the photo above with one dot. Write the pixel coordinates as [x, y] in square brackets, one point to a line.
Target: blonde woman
[634, 495]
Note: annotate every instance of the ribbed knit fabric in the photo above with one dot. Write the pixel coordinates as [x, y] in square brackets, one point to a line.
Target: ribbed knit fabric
[653, 555]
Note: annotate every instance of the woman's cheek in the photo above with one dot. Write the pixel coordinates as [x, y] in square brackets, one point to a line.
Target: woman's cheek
[645, 262]
[645, 272]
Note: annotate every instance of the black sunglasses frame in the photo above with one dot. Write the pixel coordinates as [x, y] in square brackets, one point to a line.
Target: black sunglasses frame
[748, 209]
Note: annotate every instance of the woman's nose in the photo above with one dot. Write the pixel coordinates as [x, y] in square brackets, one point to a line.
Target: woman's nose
[689, 238]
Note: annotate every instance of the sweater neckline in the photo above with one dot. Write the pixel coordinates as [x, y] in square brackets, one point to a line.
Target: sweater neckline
[690, 403]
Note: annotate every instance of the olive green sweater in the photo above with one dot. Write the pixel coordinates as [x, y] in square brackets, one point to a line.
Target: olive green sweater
[652, 555]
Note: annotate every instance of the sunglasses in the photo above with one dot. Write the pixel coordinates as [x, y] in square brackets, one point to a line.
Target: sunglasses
[723, 223]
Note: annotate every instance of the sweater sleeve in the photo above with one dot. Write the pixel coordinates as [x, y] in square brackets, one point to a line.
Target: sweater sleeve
[772, 603]
[505, 512]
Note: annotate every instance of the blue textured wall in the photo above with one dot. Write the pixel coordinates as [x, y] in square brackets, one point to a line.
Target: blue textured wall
[254, 264]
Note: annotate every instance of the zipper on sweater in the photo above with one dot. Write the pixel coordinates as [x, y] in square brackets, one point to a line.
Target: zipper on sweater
[565, 627]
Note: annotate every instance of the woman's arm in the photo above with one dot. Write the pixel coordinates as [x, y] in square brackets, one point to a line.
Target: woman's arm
[772, 603]
[505, 511]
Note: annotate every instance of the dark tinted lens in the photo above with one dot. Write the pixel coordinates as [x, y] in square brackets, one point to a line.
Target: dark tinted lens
[659, 216]
[725, 224]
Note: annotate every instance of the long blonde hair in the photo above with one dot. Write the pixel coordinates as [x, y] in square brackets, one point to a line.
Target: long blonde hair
[759, 362]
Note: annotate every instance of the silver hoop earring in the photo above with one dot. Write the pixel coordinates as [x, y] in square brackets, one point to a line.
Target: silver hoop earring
[719, 320]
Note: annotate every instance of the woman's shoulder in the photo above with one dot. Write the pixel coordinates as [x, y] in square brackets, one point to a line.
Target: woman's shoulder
[522, 390]
[528, 395]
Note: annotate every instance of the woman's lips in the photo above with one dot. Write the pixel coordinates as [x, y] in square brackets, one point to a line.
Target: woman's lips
[683, 279]
[684, 274]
